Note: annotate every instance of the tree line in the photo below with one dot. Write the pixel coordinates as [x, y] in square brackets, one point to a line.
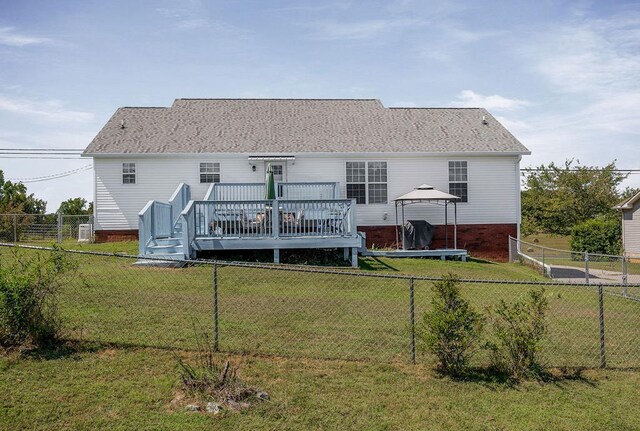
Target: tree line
[15, 199]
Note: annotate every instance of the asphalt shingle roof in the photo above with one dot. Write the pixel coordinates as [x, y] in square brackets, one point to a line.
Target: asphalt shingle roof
[271, 126]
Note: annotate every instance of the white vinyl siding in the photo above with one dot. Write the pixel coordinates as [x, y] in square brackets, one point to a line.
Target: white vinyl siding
[494, 189]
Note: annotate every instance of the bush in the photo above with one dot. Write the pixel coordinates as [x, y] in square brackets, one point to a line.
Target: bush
[452, 329]
[519, 329]
[597, 236]
[29, 287]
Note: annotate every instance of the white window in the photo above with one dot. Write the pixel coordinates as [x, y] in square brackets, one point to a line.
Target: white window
[128, 173]
[458, 178]
[209, 172]
[367, 182]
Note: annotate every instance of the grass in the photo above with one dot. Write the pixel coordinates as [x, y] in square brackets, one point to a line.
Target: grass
[126, 324]
[130, 388]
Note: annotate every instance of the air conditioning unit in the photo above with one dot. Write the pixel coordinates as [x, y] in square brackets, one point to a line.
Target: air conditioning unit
[85, 232]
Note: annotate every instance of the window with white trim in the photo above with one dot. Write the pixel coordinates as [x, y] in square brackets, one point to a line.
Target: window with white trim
[367, 182]
[128, 173]
[458, 180]
[209, 172]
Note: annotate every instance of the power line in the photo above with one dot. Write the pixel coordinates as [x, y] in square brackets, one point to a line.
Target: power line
[52, 176]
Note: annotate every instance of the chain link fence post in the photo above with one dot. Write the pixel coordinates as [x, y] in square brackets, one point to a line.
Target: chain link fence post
[603, 358]
[59, 236]
[216, 346]
[412, 315]
[625, 277]
[15, 228]
[586, 267]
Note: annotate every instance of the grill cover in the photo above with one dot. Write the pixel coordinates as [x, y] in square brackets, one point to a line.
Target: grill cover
[418, 234]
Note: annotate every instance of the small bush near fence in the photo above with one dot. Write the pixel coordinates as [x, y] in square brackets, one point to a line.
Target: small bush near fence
[452, 329]
[597, 236]
[519, 329]
[29, 288]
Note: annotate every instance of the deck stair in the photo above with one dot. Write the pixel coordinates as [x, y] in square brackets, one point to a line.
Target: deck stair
[160, 228]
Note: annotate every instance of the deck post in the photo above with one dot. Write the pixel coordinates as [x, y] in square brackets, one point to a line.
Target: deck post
[276, 255]
[354, 257]
[346, 253]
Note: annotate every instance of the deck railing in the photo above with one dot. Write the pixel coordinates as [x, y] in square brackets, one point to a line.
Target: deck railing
[154, 221]
[321, 190]
[235, 192]
[178, 201]
[274, 218]
[256, 191]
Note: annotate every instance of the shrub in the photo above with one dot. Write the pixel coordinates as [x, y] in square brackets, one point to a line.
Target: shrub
[452, 328]
[519, 329]
[29, 287]
[597, 236]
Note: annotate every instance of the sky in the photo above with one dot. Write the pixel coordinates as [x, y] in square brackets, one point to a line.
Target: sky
[563, 77]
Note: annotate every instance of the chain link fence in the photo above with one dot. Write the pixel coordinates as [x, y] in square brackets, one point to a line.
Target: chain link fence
[317, 313]
[34, 228]
[578, 267]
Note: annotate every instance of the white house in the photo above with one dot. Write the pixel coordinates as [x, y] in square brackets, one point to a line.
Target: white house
[630, 209]
[375, 154]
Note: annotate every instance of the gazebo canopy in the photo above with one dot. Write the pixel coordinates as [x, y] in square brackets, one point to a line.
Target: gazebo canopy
[425, 193]
[428, 194]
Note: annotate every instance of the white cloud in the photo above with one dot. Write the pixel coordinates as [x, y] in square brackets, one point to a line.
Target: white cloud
[51, 110]
[9, 37]
[471, 99]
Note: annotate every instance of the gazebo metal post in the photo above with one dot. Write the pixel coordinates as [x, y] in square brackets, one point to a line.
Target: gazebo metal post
[446, 226]
[455, 225]
[397, 238]
[403, 225]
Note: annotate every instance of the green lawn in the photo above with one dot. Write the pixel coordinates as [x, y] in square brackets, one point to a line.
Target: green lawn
[297, 321]
[123, 389]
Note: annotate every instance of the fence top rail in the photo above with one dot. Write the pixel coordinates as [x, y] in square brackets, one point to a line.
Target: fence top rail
[567, 251]
[316, 269]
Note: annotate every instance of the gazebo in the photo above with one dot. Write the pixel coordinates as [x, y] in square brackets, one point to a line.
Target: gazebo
[428, 194]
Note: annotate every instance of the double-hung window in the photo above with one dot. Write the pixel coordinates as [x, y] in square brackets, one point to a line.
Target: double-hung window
[128, 173]
[458, 180]
[209, 172]
[367, 182]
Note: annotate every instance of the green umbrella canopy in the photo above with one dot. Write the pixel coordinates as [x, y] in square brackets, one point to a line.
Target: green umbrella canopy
[269, 185]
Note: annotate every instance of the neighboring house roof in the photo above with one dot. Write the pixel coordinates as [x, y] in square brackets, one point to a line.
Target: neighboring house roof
[293, 126]
[628, 203]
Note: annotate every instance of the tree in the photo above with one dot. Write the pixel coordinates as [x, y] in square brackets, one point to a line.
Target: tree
[556, 198]
[14, 199]
[76, 206]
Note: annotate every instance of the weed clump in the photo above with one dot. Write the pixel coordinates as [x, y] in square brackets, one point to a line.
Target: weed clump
[209, 379]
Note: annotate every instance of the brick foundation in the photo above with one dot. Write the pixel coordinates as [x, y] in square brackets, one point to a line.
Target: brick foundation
[486, 241]
[116, 235]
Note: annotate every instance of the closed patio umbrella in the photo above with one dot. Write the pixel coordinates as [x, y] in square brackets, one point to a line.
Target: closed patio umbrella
[270, 185]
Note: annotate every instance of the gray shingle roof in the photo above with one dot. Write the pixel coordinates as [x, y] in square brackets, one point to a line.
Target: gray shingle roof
[264, 126]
